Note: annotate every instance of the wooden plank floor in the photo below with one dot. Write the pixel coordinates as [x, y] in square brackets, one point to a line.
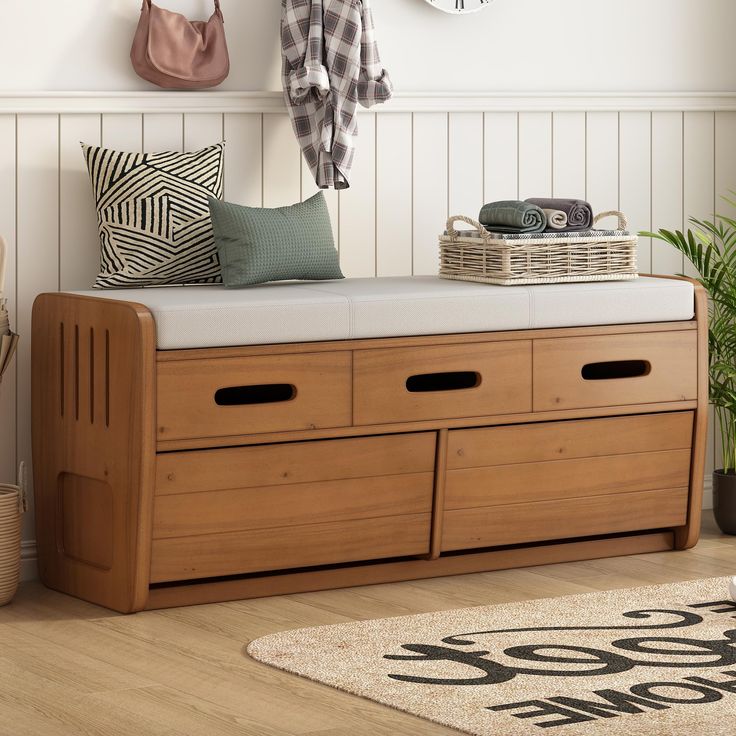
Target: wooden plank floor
[69, 668]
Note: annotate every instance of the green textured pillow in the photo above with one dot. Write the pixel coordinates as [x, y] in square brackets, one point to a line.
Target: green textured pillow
[256, 245]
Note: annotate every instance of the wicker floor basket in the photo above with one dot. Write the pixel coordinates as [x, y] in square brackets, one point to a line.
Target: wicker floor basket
[538, 258]
[12, 506]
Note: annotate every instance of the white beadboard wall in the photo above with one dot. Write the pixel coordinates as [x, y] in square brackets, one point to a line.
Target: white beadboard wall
[659, 158]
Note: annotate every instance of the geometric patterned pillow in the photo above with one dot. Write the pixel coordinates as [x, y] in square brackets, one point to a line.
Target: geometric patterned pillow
[153, 217]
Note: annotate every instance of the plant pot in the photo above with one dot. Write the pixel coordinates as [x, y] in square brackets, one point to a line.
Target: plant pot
[724, 500]
[11, 510]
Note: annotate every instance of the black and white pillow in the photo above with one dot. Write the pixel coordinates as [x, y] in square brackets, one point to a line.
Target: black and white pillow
[153, 216]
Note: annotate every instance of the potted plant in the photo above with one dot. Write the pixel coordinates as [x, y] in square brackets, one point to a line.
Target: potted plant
[711, 247]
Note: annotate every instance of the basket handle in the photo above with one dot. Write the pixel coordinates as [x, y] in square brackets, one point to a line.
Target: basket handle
[22, 486]
[469, 221]
[623, 221]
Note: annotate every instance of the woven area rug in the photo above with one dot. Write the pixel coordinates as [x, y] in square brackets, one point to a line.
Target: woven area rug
[651, 661]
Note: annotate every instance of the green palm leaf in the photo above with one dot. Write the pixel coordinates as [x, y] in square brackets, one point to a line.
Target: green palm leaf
[710, 245]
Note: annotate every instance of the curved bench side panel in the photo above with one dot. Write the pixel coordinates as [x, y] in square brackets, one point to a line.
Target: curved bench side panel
[93, 403]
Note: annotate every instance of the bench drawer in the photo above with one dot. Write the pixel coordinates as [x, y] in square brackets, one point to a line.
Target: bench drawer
[254, 509]
[580, 438]
[614, 370]
[516, 484]
[564, 519]
[443, 382]
[270, 393]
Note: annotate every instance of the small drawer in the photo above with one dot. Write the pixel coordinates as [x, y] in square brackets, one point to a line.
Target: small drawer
[254, 509]
[615, 370]
[237, 396]
[443, 382]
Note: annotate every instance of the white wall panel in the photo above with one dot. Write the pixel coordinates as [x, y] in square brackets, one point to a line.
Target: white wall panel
[466, 163]
[202, 130]
[725, 160]
[568, 155]
[244, 158]
[123, 131]
[535, 154]
[282, 173]
[394, 199]
[163, 132]
[635, 183]
[38, 248]
[358, 206]
[667, 188]
[602, 162]
[79, 249]
[501, 168]
[429, 205]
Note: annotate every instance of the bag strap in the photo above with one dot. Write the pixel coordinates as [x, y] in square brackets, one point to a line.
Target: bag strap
[22, 489]
[217, 7]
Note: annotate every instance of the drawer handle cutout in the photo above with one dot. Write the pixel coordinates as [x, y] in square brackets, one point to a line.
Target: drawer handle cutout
[269, 393]
[452, 381]
[616, 369]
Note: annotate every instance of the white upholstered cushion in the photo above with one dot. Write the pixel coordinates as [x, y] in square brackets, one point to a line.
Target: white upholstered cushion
[212, 316]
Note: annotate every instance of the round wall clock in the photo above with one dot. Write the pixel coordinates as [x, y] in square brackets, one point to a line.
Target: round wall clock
[459, 6]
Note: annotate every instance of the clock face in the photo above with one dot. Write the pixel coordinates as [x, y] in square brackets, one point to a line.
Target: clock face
[459, 6]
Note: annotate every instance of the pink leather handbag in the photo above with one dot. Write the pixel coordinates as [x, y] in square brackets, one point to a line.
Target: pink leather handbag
[176, 53]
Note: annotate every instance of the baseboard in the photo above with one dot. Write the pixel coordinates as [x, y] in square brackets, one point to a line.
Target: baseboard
[708, 492]
[28, 560]
[29, 566]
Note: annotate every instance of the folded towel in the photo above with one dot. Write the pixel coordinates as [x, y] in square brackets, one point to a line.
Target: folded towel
[512, 216]
[579, 213]
[556, 219]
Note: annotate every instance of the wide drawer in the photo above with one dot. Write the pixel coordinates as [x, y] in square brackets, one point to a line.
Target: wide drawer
[613, 370]
[509, 485]
[564, 519]
[270, 393]
[580, 438]
[254, 509]
[442, 382]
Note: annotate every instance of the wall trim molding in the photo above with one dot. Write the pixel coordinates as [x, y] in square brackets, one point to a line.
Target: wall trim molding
[41, 102]
[29, 562]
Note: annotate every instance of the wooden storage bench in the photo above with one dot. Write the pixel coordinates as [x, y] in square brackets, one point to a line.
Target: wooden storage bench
[172, 469]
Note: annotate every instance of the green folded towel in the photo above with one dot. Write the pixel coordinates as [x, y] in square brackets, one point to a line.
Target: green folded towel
[512, 216]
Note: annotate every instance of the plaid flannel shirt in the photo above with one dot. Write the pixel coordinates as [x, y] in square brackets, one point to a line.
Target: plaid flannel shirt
[330, 64]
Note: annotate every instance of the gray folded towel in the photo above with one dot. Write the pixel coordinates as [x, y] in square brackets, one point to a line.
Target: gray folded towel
[579, 212]
[556, 219]
[512, 216]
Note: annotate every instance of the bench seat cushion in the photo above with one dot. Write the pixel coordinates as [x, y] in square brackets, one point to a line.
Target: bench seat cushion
[212, 316]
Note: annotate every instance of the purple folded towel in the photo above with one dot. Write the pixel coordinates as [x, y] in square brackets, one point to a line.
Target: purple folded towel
[579, 212]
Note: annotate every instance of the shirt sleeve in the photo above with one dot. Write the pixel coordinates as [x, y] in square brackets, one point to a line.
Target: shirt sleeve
[302, 44]
[374, 84]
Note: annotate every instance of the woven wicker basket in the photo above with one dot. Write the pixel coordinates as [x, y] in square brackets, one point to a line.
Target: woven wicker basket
[12, 507]
[538, 258]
